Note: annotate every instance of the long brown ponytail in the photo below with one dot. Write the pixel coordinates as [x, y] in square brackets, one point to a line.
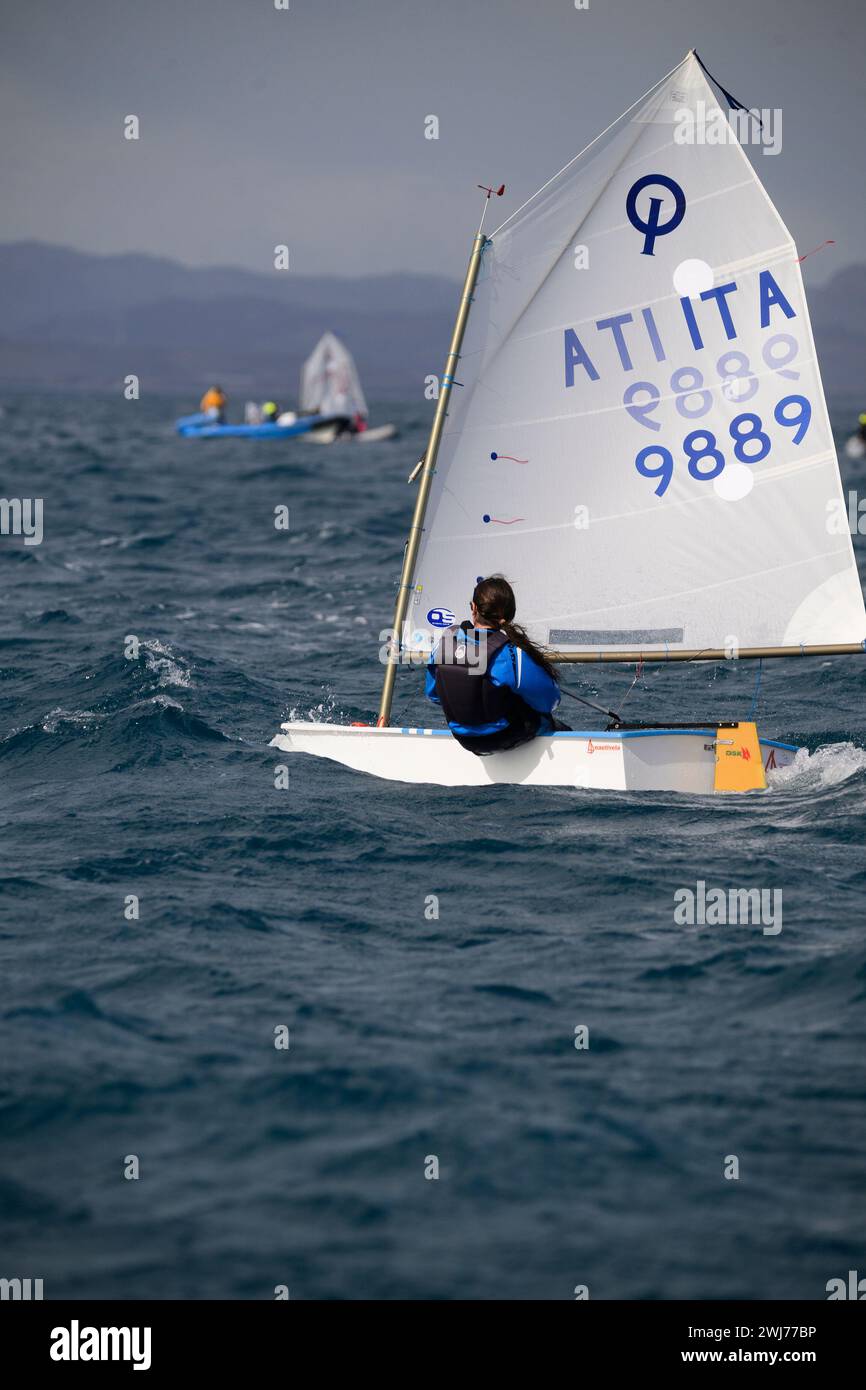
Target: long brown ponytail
[496, 605]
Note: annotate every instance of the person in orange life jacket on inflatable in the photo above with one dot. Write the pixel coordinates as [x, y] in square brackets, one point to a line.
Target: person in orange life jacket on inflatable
[498, 698]
[213, 403]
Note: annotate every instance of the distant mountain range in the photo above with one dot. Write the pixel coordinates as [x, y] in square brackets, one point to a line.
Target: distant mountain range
[77, 321]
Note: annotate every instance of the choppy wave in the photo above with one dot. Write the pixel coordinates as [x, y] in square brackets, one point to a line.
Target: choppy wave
[77, 719]
[827, 767]
[162, 662]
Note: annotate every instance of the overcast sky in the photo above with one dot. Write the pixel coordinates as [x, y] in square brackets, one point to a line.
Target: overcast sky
[306, 126]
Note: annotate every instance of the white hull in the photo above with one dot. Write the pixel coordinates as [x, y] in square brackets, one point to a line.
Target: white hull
[681, 760]
[329, 435]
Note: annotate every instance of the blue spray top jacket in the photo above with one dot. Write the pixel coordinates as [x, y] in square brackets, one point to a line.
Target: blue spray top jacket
[515, 669]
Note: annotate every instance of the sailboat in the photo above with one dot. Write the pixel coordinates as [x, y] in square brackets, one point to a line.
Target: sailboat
[331, 388]
[632, 429]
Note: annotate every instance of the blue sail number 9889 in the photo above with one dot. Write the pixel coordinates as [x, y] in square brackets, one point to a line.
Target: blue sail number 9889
[704, 458]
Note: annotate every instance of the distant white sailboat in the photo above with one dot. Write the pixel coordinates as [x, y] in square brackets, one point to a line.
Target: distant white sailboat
[640, 443]
[331, 387]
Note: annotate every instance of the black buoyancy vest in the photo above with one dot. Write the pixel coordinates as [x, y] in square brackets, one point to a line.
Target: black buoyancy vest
[467, 694]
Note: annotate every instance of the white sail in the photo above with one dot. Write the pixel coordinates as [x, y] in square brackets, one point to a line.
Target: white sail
[329, 380]
[639, 441]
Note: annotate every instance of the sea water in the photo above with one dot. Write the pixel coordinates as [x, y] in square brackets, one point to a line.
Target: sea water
[345, 1038]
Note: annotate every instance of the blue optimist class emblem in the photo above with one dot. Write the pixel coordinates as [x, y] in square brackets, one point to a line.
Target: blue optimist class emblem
[440, 617]
[652, 227]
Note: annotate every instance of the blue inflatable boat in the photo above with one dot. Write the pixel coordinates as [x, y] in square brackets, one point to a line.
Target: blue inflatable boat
[205, 427]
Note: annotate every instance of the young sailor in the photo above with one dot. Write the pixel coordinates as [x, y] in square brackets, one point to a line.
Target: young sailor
[496, 689]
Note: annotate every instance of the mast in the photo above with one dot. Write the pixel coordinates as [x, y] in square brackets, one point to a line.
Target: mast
[413, 543]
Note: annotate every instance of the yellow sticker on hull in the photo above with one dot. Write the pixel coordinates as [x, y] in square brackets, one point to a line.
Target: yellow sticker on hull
[739, 764]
